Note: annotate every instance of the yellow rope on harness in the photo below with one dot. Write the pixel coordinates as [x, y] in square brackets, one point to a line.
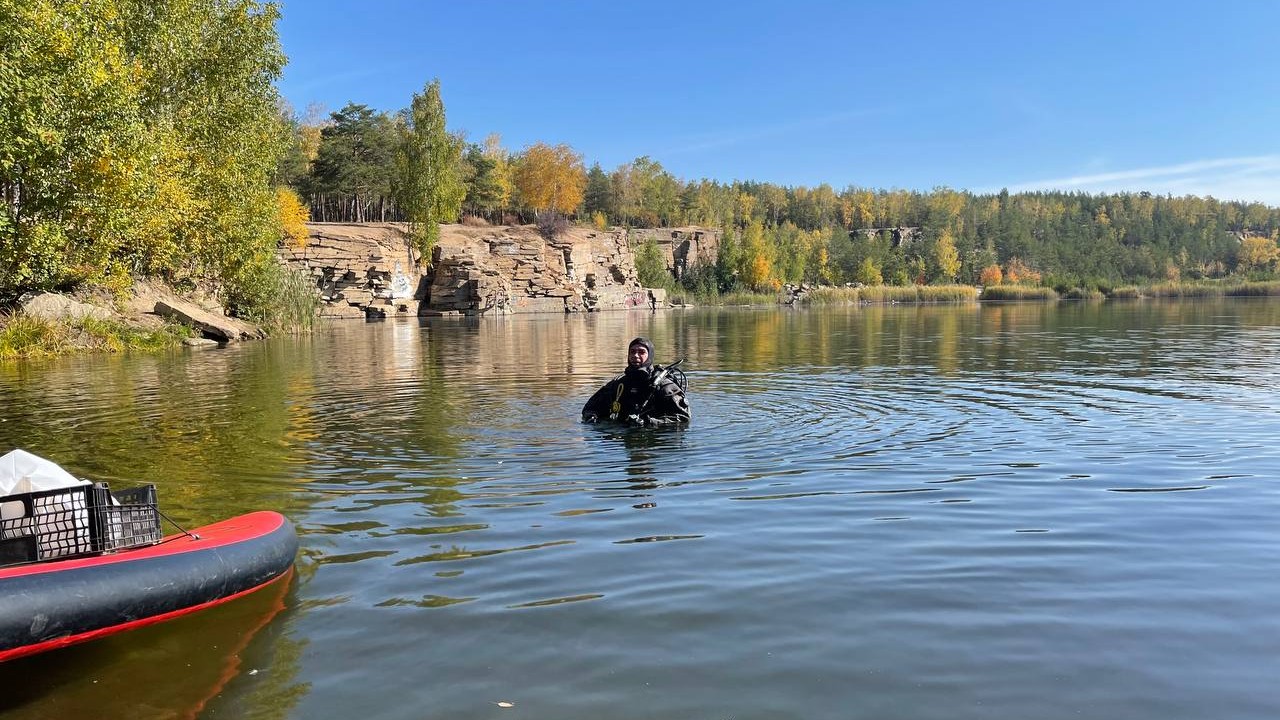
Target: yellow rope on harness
[616, 409]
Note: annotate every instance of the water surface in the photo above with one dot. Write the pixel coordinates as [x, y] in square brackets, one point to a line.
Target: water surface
[1049, 511]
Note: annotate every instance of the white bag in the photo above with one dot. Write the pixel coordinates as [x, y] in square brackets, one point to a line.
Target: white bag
[62, 524]
[22, 472]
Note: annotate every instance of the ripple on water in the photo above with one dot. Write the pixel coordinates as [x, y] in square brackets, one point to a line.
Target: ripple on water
[925, 512]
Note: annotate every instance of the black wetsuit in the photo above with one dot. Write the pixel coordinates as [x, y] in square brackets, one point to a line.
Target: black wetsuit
[638, 401]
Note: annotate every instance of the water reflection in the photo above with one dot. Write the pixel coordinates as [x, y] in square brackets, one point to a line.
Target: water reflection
[222, 653]
[887, 492]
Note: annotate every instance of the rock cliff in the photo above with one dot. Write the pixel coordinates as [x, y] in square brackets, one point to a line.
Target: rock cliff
[366, 270]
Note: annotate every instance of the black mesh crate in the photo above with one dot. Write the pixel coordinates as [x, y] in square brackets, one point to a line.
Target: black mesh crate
[127, 518]
[47, 525]
[80, 520]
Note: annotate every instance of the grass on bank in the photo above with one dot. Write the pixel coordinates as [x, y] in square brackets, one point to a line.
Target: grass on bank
[1268, 288]
[1018, 292]
[892, 294]
[830, 295]
[281, 300]
[23, 336]
[827, 295]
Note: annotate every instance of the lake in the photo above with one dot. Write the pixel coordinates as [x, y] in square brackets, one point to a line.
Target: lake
[998, 511]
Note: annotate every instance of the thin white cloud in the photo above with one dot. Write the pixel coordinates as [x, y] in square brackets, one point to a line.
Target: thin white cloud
[1254, 178]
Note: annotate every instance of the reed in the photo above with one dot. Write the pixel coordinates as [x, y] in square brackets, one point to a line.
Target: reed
[1018, 292]
[746, 298]
[889, 294]
[1182, 290]
[826, 295]
[298, 306]
[1128, 292]
[947, 293]
[1253, 289]
[677, 299]
[1080, 293]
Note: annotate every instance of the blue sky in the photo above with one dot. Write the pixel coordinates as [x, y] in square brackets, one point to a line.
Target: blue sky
[1168, 97]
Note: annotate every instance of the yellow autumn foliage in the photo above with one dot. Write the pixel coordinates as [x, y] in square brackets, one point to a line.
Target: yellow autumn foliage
[550, 178]
[293, 217]
[1016, 271]
[1256, 252]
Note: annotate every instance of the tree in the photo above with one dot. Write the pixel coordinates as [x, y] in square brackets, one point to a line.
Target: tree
[427, 186]
[756, 268]
[1017, 271]
[293, 164]
[991, 275]
[868, 273]
[352, 171]
[550, 178]
[138, 137]
[1257, 252]
[598, 196]
[651, 267]
[948, 259]
[728, 258]
[293, 217]
[501, 159]
[484, 191]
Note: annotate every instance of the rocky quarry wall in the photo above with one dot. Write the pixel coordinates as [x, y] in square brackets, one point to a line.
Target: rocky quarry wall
[367, 270]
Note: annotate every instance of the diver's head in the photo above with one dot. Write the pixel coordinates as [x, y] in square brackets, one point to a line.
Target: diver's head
[640, 353]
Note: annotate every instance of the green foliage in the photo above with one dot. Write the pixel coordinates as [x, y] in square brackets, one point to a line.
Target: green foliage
[598, 196]
[651, 267]
[427, 185]
[23, 336]
[293, 164]
[276, 298]
[868, 273]
[702, 280]
[136, 138]
[484, 189]
[1079, 293]
[116, 336]
[727, 260]
[351, 176]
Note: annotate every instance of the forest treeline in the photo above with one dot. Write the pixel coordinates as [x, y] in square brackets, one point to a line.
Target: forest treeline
[149, 139]
[773, 235]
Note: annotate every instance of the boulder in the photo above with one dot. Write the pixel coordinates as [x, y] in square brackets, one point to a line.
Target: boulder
[217, 327]
[54, 307]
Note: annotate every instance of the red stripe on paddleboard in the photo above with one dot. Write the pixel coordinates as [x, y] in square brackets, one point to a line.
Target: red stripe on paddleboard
[131, 625]
[220, 534]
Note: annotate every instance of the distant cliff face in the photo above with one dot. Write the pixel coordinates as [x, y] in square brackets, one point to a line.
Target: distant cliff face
[366, 269]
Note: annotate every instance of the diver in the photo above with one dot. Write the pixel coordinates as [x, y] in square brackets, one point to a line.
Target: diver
[645, 394]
